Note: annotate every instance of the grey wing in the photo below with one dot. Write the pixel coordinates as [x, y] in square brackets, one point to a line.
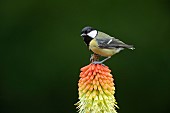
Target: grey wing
[110, 43]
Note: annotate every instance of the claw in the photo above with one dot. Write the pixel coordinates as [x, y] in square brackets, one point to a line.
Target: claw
[98, 62]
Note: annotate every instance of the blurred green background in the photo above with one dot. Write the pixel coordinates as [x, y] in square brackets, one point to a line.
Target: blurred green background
[41, 53]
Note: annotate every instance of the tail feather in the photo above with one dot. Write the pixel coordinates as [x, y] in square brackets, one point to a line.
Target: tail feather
[127, 46]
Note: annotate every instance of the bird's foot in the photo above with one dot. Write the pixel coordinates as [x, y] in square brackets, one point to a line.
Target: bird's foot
[98, 62]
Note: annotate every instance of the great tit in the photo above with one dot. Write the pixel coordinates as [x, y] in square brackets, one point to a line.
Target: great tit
[102, 44]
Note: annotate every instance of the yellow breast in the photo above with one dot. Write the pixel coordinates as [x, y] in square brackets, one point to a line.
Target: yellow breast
[103, 52]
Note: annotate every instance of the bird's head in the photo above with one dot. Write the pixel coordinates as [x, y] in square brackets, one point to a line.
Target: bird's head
[89, 32]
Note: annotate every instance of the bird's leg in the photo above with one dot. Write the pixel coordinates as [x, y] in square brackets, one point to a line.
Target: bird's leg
[91, 58]
[101, 62]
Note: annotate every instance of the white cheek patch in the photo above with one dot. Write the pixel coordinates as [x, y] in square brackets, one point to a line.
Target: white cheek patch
[92, 34]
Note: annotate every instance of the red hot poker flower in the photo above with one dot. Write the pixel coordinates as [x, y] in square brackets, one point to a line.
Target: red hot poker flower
[96, 90]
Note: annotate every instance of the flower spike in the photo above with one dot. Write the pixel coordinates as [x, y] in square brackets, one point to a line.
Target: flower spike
[96, 90]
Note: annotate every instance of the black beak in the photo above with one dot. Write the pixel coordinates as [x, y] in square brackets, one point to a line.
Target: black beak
[83, 34]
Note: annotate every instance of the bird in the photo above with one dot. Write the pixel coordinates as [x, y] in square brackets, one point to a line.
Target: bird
[102, 44]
